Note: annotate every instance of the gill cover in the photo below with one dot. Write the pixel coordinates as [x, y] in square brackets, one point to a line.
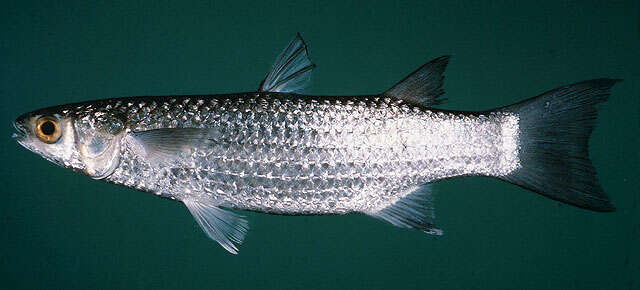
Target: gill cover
[98, 138]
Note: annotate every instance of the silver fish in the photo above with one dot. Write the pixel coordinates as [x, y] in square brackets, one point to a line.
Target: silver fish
[279, 152]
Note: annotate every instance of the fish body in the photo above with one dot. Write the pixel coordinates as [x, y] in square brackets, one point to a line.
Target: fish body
[279, 152]
[293, 154]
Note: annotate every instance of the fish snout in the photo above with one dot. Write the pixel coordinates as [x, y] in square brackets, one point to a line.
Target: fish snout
[21, 130]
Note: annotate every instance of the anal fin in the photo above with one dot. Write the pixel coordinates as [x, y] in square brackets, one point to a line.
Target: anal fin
[413, 211]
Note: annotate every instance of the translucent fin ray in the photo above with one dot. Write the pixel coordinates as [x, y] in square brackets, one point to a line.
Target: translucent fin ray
[167, 145]
[292, 70]
[414, 211]
[224, 227]
[424, 85]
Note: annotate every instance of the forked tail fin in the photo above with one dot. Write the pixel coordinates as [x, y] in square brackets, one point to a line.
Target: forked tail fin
[554, 134]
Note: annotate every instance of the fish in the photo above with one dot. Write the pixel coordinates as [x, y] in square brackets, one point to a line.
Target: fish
[278, 151]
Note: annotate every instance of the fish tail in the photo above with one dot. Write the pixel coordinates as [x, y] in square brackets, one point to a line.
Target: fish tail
[554, 130]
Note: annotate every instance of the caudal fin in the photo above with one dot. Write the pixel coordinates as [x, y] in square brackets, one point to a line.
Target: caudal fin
[554, 134]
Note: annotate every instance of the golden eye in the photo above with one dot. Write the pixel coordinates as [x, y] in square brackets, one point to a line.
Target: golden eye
[47, 129]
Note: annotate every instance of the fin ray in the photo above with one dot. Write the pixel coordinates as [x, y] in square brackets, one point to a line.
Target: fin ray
[424, 85]
[554, 135]
[224, 227]
[166, 145]
[414, 210]
[292, 70]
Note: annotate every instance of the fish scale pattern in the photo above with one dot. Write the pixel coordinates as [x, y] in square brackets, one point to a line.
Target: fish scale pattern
[293, 154]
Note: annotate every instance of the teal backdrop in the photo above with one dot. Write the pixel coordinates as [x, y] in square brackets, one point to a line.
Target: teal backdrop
[59, 229]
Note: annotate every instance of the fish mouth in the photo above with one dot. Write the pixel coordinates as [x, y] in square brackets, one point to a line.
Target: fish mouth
[21, 133]
[22, 137]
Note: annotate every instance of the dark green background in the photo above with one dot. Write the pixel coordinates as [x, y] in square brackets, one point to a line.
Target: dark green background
[59, 229]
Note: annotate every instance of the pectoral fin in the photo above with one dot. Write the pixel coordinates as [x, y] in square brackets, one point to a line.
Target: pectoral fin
[224, 227]
[167, 145]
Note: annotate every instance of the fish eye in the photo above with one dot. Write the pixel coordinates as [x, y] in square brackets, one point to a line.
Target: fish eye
[47, 129]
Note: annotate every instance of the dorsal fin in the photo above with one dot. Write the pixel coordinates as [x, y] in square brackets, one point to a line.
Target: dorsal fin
[424, 85]
[292, 70]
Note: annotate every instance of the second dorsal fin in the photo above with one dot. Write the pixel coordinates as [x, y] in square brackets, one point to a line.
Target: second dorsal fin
[424, 85]
[291, 71]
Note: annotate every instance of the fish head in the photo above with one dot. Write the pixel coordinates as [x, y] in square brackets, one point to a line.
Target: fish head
[50, 135]
[86, 141]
